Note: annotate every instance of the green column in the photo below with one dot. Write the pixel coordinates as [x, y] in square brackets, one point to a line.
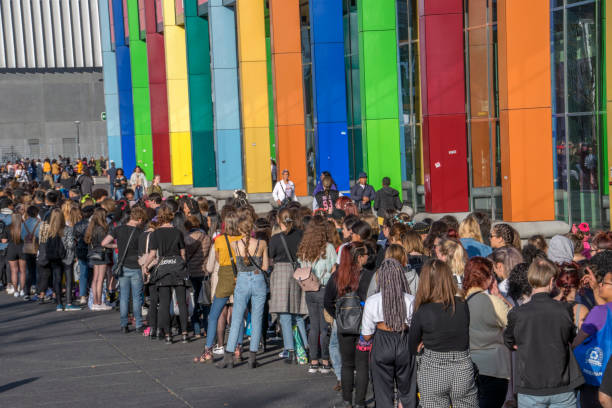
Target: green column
[270, 87]
[378, 78]
[200, 97]
[140, 94]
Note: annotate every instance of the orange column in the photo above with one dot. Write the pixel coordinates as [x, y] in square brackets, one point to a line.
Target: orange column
[525, 110]
[288, 90]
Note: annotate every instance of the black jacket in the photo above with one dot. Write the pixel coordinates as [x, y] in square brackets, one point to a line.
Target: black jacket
[357, 194]
[542, 329]
[327, 199]
[387, 198]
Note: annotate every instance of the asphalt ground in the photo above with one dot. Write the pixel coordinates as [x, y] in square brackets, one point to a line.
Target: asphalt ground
[80, 359]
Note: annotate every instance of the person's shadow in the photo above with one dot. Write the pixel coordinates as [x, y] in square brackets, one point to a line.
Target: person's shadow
[15, 384]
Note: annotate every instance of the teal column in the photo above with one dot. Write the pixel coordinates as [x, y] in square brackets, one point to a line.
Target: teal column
[378, 78]
[200, 97]
[140, 93]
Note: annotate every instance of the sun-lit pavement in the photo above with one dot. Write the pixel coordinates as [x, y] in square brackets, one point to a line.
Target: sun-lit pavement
[80, 359]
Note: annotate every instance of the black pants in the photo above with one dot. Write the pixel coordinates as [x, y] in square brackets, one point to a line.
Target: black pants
[30, 271]
[60, 269]
[44, 273]
[319, 328]
[153, 307]
[165, 297]
[491, 391]
[4, 268]
[392, 364]
[352, 360]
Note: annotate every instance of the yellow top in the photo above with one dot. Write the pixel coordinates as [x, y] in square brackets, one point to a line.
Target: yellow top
[222, 250]
[55, 168]
[46, 167]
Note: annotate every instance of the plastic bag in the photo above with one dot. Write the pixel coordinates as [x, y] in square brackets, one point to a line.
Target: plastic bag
[594, 353]
[174, 306]
[300, 351]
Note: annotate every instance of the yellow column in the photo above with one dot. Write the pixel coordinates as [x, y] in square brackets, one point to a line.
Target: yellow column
[254, 94]
[608, 63]
[178, 97]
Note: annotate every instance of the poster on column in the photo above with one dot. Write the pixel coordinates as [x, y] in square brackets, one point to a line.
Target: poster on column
[179, 11]
[159, 16]
[126, 23]
[202, 7]
[112, 24]
[142, 24]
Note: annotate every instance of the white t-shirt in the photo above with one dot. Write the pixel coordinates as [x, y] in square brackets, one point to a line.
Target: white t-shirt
[283, 190]
[373, 312]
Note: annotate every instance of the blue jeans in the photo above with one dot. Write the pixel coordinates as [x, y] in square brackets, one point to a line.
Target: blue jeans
[119, 193]
[131, 279]
[138, 193]
[249, 286]
[286, 321]
[334, 351]
[84, 273]
[196, 321]
[215, 311]
[563, 400]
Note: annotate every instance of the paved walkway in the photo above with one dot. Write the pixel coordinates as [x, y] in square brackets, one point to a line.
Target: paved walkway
[80, 359]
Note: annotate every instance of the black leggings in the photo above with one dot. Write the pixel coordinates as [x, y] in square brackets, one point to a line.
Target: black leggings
[60, 269]
[392, 363]
[353, 359]
[30, 271]
[153, 300]
[165, 297]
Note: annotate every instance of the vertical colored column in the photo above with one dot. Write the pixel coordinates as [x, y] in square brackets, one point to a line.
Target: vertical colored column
[525, 110]
[140, 93]
[289, 90]
[124, 81]
[607, 69]
[111, 89]
[254, 95]
[329, 89]
[443, 106]
[378, 78]
[178, 97]
[225, 92]
[158, 92]
[200, 97]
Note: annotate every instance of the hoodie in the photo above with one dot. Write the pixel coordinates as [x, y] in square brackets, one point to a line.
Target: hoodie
[560, 250]
[386, 198]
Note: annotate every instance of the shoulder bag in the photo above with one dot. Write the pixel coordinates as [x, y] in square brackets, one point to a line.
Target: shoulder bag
[303, 275]
[29, 243]
[170, 264]
[118, 267]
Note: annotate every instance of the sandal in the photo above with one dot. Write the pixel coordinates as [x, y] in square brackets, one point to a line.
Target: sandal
[205, 357]
[237, 356]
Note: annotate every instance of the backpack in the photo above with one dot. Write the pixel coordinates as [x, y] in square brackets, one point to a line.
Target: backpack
[55, 249]
[348, 313]
[29, 243]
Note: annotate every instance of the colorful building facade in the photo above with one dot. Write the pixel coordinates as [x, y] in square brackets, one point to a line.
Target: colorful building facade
[467, 105]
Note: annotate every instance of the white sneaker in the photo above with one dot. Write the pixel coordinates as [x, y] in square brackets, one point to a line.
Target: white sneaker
[10, 290]
[16, 294]
[104, 307]
[218, 350]
[21, 293]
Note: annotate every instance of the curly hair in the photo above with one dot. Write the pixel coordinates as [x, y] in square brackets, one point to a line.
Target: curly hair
[568, 278]
[314, 242]
[478, 273]
[601, 265]
[518, 284]
[603, 240]
[333, 237]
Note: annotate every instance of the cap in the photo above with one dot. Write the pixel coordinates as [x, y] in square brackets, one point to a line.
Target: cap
[421, 228]
[363, 175]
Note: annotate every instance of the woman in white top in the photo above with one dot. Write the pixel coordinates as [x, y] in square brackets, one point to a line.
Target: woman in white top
[386, 317]
[138, 182]
[284, 190]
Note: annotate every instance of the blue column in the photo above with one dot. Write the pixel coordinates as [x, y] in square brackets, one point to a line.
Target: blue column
[124, 80]
[111, 90]
[226, 102]
[329, 83]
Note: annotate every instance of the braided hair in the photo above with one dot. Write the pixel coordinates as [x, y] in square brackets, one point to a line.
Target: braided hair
[393, 284]
[505, 232]
[568, 279]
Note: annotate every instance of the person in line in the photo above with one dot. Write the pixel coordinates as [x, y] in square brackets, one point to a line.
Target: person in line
[502, 235]
[568, 283]
[350, 278]
[98, 256]
[285, 293]
[605, 391]
[316, 253]
[251, 262]
[451, 251]
[125, 238]
[155, 187]
[362, 194]
[504, 260]
[85, 182]
[120, 184]
[197, 248]
[535, 328]
[284, 190]
[16, 257]
[29, 232]
[326, 198]
[440, 330]
[488, 319]
[138, 183]
[385, 199]
[85, 270]
[471, 238]
[111, 173]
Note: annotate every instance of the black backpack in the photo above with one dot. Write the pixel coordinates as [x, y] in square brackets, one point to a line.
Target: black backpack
[349, 313]
[55, 249]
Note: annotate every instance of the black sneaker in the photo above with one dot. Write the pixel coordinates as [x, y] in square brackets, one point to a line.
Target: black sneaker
[314, 368]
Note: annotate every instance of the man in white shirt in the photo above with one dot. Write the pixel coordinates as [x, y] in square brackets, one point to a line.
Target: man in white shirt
[284, 190]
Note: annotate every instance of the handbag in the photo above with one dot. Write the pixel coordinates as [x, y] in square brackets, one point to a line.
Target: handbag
[95, 254]
[306, 279]
[118, 267]
[593, 354]
[167, 265]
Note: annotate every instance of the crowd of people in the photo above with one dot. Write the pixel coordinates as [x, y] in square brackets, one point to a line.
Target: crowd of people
[435, 313]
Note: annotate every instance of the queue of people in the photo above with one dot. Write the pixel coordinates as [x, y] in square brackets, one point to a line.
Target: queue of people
[402, 313]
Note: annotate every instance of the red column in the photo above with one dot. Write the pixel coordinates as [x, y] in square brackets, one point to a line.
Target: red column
[159, 96]
[443, 105]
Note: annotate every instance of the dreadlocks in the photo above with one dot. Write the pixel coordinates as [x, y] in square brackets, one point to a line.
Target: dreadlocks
[392, 283]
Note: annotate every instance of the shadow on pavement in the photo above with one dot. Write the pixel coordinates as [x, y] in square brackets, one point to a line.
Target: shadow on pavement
[16, 384]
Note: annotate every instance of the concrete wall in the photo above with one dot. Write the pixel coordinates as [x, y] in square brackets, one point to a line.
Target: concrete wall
[43, 105]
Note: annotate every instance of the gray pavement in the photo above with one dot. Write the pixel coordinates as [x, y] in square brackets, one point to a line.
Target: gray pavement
[80, 359]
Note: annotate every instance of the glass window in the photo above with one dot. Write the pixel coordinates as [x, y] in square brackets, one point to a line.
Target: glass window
[309, 121]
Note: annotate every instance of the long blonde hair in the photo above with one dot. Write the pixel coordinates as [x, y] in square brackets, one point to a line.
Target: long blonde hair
[456, 257]
[469, 228]
[56, 223]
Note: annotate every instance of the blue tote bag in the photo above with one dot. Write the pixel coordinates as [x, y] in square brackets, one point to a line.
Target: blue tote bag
[594, 353]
